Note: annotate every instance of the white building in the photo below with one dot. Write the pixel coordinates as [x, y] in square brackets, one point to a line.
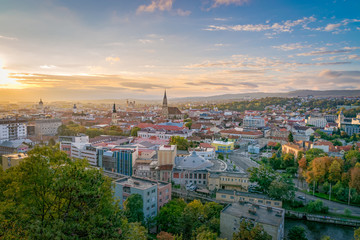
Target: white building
[317, 121]
[163, 134]
[79, 147]
[47, 127]
[251, 121]
[12, 129]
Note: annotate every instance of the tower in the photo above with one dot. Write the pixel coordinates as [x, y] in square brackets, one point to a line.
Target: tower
[74, 109]
[114, 116]
[341, 118]
[165, 109]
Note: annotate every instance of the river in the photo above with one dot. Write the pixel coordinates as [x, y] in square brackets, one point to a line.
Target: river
[315, 230]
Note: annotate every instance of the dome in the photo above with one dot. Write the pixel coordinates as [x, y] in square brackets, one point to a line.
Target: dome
[193, 162]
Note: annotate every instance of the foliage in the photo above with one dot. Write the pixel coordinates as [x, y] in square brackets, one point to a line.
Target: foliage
[317, 207]
[290, 137]
[357, 234]
[263, 176]
[48, 196]
[133, 208]
[164, 236]
[181, 142]
[249, 231]
[221, 156]
[134, 131]
[282, 188]
[190, 220]
[296, 233]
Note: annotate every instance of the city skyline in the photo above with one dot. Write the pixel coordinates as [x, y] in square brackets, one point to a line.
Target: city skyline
[66, 50]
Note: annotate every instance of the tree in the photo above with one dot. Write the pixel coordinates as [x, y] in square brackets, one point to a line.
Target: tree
[133, 208]
[351, 158]
[317, 207]
[49, 196]
[249, 231]
[134, 131]
[314, 153]
[335, 171]
[263, 176]
[181, 142]
[296, 233]
[288, 160]
[164, 236]
[290, 137]
[51, 142]
[282, 189]
[169, 216]
[357, 234]
[355, 178]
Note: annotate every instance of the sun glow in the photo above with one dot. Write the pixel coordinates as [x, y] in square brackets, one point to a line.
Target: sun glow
[5, 80]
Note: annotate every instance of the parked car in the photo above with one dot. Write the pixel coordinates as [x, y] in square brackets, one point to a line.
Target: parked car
[301, 197]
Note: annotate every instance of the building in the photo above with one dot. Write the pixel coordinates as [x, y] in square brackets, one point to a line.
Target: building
[12, 129]
[292, 148]
[317, 121]
[120, 159]
[163, 134]
[47, 127]
[271, 218]
[228, 181]
[170, 112]
[236, 196]
[191, 169]
[223, 147]
[15, 146]
[154, 194]
[254, 122]
[114, 116]
[11, 160]
[166, 155]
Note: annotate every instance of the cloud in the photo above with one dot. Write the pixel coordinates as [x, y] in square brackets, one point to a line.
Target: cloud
[161, 5]
[228, 84]
[47, 66]
[218, 3]
[332, 27]
[315, 53]
[8, 38]
[291, 46]
[285, 26]
[112, 60]
[354, 56]
[330, 74]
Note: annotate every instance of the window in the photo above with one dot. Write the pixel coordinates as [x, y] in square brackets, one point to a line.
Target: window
[260, 201]
[268, 202]
[231, 197]
[223, 196]
[251, 199]
[276, 203]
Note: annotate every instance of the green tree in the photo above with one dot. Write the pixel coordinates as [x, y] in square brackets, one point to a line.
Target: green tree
[49, 196]
[314, 153]
[181, 142]
[133, 208]
[51, 142]
[94, 132]
[169, 216]
[357, 234]
[134, 131]
[249, 231]
[317, 207]
[282, 189]
[296, 233]
[290, 137]
[263, 176]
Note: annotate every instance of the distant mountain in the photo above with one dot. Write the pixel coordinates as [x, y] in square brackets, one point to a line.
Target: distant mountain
[248, 96]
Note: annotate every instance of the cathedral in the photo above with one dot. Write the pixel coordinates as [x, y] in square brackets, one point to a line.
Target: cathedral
[170, 112]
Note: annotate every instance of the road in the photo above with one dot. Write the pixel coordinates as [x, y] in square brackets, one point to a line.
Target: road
[241, 161]
[333, 206]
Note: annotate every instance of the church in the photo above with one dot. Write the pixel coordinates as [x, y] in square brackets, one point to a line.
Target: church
[170, 112]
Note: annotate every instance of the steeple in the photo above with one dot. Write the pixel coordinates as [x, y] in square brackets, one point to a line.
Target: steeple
[165, 100]
[114, 108]
[41, 102]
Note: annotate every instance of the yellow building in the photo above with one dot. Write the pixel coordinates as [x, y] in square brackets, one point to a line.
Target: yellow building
[223, 147]
[228, 181]
[166, 155]
[11, 160]
[235, 196]
[292, 148]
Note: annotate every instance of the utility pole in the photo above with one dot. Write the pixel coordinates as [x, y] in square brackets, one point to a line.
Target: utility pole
[349, 197]
[330, 193]
[314, 188]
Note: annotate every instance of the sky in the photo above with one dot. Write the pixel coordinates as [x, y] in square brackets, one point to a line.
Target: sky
[119, 49]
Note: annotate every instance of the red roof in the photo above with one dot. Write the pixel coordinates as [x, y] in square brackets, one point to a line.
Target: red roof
[205, 145]
[158, 127]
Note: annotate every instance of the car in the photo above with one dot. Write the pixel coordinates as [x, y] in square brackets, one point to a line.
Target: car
[301, 197]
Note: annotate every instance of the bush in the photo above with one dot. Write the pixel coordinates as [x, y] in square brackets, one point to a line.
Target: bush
[317, 207]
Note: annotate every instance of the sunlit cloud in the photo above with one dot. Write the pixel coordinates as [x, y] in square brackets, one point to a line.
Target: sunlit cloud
[112, 60]
[291, 46]
[218, 3]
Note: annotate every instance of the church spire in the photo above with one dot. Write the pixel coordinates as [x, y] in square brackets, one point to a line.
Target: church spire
[165, 100]
[114, 108]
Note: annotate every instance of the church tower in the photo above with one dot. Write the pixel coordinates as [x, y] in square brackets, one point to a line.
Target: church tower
[165, 109]
[340, 120]
[114, 116]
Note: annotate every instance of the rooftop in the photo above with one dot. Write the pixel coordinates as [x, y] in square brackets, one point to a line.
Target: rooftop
[258, 213]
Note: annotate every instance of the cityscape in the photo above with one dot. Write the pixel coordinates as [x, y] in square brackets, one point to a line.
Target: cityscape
[180, 120]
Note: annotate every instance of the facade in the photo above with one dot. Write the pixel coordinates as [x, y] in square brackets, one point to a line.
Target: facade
[254, 122]
[79, 147]
[228, 181]
[12, 129]
[155, 194]
[11, 160]
[292, 148]
[166, 155]
[317, 121]
[120, 160]
[235, 196]
[163, 134]
[223, 147]
[191, 169]
[47, 127]
[271, 218]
